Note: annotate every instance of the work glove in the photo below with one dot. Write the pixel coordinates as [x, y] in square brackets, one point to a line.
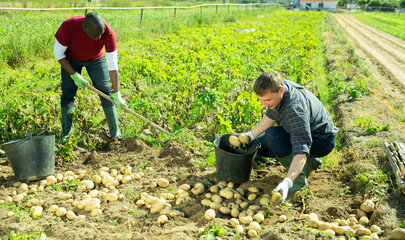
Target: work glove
[118, 100]
[79, 81]
[283, 189]
[250, 135]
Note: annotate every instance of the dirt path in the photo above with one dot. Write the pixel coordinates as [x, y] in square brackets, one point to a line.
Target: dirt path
[385, 53]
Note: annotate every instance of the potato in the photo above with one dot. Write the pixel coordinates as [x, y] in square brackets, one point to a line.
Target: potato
[364, 220]
[216, 198]
[330, 231]
[126, 179]
[259, 217]
[235, 212]
[367, 206]
[162, 219]
[252, 233]
[91, 205]
[275, 196]
[233, 140]
[22, 188]
[150, 199]
[243, 138]
[214, 189]
[230, 185]
[71, 215]
[252, 196]
[325, 226]
[360, 213]
[111, 197]
[18, 197]
[209, 214]
[225, 210]
[341, 230]
[245, 220]
[234, 222]
[197, 191]
[36, 211]
[61, 212]
[363, 231]
[206, 202]
[53, 208]
[10, 214]
[239, 229]
[163, 182]
[282, 218]
[255, 226]
[185, 187]
[157, 207]
[244, 205]
[265, 200]
[375, 228]
[226, 193]
[8, 199]
[314, 223]
[253, 189]
[398, 234]
[96, 212]
[215, 205]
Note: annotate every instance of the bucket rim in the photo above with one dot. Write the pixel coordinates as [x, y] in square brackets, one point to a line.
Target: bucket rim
[218, 138]
[27, 138]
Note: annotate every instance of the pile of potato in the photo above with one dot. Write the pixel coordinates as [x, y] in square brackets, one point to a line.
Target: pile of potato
[357, 224]
[93, 190]
[245, 207]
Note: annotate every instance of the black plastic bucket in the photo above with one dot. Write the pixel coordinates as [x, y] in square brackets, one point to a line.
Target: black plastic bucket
[31, 158]
[234, 164]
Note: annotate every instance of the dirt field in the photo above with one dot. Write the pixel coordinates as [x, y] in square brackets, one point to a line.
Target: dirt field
[335, 194]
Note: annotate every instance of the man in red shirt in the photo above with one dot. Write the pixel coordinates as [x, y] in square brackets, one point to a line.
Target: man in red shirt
[79, 43]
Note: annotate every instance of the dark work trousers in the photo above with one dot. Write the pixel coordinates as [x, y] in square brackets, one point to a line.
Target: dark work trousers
[275, 143]
[98, 72]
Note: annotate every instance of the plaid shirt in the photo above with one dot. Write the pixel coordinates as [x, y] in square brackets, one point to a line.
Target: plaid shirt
[303, 116]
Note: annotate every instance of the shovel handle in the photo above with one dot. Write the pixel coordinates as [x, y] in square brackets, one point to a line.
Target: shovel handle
[126, 108]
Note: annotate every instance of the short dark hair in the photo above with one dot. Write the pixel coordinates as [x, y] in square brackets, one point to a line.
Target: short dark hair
[268, 81]
[95, 20]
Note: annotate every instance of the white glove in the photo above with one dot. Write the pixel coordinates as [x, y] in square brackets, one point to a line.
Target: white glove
[250, 135]
[283, 189]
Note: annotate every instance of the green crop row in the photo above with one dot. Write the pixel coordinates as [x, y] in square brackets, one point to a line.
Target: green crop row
[388, 22]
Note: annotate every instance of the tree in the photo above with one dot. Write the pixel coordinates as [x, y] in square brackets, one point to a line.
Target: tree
[362, 3]
[402, 4]
[374, 3]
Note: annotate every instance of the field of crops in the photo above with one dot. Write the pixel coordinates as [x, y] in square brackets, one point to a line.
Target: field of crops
[392, 23]
[193, 76]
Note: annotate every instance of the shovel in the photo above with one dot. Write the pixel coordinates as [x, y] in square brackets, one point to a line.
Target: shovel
[126, 109]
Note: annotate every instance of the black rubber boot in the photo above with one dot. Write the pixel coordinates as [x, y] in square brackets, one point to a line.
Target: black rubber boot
[311, 165]
[67, 121]
[112, 119]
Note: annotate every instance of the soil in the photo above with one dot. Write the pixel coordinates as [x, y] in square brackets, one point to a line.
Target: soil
[334, 192]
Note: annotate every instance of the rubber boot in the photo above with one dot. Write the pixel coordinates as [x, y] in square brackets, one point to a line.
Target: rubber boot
[67, 121]
[311, 165]
[112, 120]
[300, 181]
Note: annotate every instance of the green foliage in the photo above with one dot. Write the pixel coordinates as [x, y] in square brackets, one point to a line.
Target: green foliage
[375, 183]
[390, 23]
[402, 3]
[19, 236]
[212, 231]
[72, 184]
[354, 89]
[370, 126]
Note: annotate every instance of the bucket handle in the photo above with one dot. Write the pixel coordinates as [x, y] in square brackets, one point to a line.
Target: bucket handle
[27, 137]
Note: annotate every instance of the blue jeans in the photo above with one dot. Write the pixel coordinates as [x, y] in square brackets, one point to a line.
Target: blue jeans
[97, 70]
[275, 143]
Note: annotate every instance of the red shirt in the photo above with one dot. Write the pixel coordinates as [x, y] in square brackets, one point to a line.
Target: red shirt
[80, 46]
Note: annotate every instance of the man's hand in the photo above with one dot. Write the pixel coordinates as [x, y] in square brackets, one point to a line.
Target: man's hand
[283, 189]
[118, 100]
[79, 81]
